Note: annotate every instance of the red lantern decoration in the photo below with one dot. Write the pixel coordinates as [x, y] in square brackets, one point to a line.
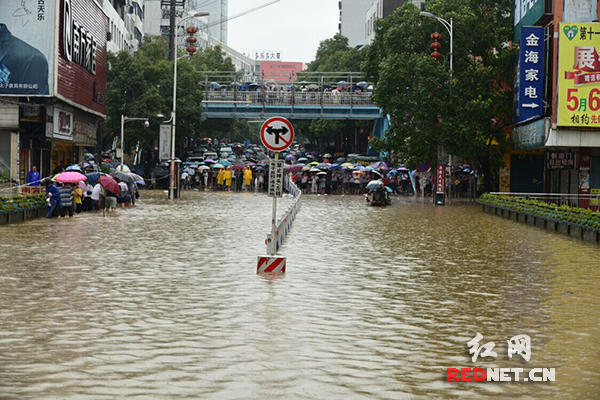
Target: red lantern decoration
[191, 49]
[191, 40]
[192, 30]
[435, 46]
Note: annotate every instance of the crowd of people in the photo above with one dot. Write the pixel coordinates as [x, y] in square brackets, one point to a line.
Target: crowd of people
[73, 198]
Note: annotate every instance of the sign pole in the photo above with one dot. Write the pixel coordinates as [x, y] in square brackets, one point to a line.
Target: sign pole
[276, 134]
[273, 244]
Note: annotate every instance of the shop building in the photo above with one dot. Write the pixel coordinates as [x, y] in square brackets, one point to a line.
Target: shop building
[556, 139]
[52, 86]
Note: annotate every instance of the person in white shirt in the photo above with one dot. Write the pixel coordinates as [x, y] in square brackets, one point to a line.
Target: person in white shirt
[123, 198]
[97, 191]
[87, 197]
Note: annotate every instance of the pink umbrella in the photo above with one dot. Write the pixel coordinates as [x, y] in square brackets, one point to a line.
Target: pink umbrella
[69, 177]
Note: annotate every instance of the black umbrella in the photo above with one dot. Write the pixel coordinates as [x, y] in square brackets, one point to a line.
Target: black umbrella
[123, 176]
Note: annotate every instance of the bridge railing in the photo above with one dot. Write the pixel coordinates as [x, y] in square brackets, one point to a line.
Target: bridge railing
[288, 98]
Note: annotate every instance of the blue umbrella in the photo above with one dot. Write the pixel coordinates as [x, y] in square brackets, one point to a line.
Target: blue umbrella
[323, 166]
[225, 163]
[217, 166]
[335, 167]
[93, 177]
[302, 159]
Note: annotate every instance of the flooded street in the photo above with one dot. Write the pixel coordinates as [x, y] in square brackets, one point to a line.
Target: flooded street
[163, 302]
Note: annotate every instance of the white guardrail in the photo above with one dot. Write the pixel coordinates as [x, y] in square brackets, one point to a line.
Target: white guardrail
[287, 219]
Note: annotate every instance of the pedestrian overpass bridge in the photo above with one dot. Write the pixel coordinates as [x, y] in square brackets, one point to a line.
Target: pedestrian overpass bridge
[292, 105]
[306, 96]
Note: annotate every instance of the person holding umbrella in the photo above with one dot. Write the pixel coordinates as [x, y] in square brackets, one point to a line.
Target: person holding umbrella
[66, 199]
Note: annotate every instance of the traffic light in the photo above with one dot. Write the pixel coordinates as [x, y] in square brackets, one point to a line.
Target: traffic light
[436, 45]
[191, 40]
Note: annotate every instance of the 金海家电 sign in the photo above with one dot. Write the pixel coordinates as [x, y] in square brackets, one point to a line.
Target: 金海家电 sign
[579, 75]
[530, 82]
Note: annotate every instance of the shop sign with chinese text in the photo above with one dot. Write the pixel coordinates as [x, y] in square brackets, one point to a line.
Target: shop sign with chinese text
[530, 93]
[531, 135]
[579, 75]
[527, 12]
[560, 159]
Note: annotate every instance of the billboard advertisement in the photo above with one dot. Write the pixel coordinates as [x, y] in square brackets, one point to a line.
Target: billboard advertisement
[527, 12]
[27, 47]
[579, 75]
[581, 11]
[530, 79]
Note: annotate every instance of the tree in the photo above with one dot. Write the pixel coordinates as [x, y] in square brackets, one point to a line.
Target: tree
[335, 55]
[467, 111]
[141, 85]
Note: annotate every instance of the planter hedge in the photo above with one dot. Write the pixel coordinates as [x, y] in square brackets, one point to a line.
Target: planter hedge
[22, 208]
[530, 210]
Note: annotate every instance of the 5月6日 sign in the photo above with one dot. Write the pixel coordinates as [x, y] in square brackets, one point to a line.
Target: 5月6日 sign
[277, 134]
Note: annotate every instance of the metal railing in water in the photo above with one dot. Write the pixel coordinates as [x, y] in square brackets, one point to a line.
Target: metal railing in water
[591, 201]
[288, 98]
[287, 219]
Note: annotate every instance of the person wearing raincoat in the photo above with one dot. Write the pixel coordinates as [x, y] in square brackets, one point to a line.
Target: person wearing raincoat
[228, 177]
[221, 178]
[247, 177]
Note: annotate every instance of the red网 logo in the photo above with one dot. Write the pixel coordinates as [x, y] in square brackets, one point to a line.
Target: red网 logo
[519, 346]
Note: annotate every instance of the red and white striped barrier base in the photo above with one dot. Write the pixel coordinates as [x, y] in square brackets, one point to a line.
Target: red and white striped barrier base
[270, 264]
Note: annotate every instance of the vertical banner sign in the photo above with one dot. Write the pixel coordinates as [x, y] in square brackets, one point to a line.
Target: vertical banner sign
[579, 75]
[164, 143]
[276, 178]
[440, 179]
[530, 100]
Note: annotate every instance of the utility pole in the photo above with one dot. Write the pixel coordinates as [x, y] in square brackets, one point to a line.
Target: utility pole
[173, 26]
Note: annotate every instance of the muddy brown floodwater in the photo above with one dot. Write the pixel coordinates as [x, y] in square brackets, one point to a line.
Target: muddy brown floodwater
[163, 302]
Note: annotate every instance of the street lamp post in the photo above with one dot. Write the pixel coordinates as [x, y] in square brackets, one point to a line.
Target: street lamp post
[172, 179]
[449, 25]
[123, 120]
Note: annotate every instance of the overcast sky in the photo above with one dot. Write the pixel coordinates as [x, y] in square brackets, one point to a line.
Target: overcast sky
[293, 27]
